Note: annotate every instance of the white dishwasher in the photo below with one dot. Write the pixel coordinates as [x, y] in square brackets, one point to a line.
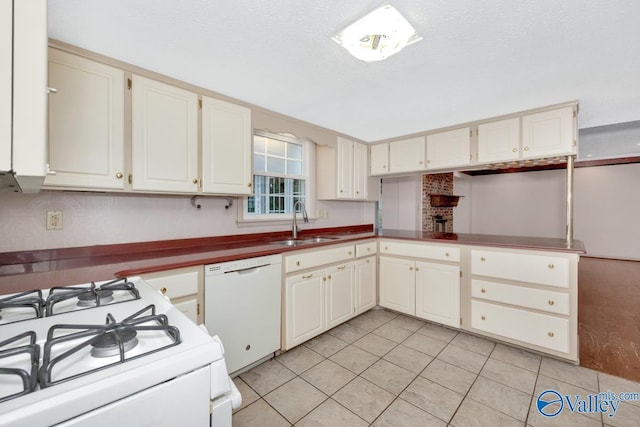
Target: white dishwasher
[242, 302]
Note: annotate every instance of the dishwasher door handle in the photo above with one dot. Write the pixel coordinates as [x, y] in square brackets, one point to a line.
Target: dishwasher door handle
[247, 270]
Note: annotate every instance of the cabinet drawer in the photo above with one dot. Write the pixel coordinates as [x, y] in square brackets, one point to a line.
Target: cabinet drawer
[176, 285]
[533, 328]
[365, 249]
[306, 260]
[420, 250]
[553, 302]
[542, 269]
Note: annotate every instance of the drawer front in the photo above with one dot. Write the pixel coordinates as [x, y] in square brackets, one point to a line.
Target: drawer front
[533, 328]
[176, 285]
[420, 250]
[553, 302]
[541, 269]
[366, 249]
[306, 260]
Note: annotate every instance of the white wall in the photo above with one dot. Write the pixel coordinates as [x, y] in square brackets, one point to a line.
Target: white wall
[98, 219]
[462, 212]
[606, 206]
[402, 203]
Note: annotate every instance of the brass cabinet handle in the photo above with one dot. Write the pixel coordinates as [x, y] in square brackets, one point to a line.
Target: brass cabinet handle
[308, 276]
[163, 290]
[551, 302]
[551, 334]
[483, 259]
[515, 150]
[119, 175]
[483, 290]
[483, 318]
[342, 267]
[550, 266]
[526, 148]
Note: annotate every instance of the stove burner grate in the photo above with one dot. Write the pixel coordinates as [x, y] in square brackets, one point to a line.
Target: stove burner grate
[29, 378]
[28, 300]
[118, 337]
[90, 296]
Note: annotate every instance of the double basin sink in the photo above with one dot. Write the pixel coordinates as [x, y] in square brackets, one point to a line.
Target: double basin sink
[303, 241]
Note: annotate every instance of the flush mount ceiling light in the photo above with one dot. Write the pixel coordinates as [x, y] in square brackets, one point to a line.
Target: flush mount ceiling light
[377, 35]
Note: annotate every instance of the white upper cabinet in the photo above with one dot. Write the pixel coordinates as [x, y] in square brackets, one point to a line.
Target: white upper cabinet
[379, 159]
[164, 137]
[345, 170]
[23, 91]
[407, 155]
[86, 123]
[226, 147]
[342, 172]
[499, 141]
[449, 149]
[549, 133]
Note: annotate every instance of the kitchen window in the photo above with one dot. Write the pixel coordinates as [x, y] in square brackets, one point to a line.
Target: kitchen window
[280, 176]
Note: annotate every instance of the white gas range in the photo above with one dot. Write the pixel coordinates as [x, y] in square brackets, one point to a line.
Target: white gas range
[109, 353]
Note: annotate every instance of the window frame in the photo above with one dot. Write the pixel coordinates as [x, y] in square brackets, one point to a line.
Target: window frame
[308, 175]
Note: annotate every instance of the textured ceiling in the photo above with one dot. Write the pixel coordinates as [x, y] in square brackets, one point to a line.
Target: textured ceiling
[477, 59]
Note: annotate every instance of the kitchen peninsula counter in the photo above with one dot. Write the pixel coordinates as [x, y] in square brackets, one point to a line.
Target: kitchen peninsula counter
[492, 240]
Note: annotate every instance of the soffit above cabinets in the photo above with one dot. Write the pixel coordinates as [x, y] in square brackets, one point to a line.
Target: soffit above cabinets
[476, 59]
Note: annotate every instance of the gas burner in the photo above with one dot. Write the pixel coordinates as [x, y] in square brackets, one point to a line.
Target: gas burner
[108, 344]
[95, 298]
[68, 298]
[22, 306]
[19, 357]
[72, 350]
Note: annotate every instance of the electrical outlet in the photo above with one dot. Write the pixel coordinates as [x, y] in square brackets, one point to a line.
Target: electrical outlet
[54, 220]
[323, 213]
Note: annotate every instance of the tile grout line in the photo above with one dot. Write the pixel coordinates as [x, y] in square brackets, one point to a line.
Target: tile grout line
[535, 384]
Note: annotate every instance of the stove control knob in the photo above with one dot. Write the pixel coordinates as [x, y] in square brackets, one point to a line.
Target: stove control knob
[248, 347]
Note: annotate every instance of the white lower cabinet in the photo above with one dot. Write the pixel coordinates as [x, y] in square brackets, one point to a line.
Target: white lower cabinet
[438, 293]
[366, 284]
[183, 286]
[398, 284]
[340, 281]
[304, 305]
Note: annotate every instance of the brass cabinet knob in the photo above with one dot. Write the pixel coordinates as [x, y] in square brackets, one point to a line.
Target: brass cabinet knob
[349, 253]
[483, 290]
[483, 259]
[368, 249]
[410, 268]
[550, 266]
[515, 150]
[446, 254]
[195, 180]
[417, 269]
[368, 261]
[249, 185]
[297, 263]
[420, 162]
[551, 302]
[119, 175]
[357, 192]
[384, 166]
[163, 290]
[551, 334]
[386, 248]
[526, 148]
[342, 191]
[483, 318]
[329, 277]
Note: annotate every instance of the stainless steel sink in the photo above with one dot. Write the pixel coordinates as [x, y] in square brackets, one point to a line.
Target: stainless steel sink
[303, 241]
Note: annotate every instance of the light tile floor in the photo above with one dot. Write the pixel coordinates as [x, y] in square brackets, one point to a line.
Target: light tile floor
[385, 369]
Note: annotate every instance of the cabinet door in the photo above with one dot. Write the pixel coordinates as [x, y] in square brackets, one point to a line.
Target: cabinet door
[379, 159]
[365, 284]
[397, 284]
[438, 293]
[340, 293]
[549, 133]
[304, 301]
[407, 155]
[183, 286]
[360, 172]
[226, 147]
[164, 137]
[189, 308]
[345, 168]
[499, 141]
[86, 123]
[446, 149]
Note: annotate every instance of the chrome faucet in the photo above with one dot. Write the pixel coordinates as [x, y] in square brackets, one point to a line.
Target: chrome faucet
[305, 217]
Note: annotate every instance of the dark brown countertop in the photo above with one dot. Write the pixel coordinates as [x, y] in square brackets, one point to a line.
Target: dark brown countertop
[515, 242]
[43, 269]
